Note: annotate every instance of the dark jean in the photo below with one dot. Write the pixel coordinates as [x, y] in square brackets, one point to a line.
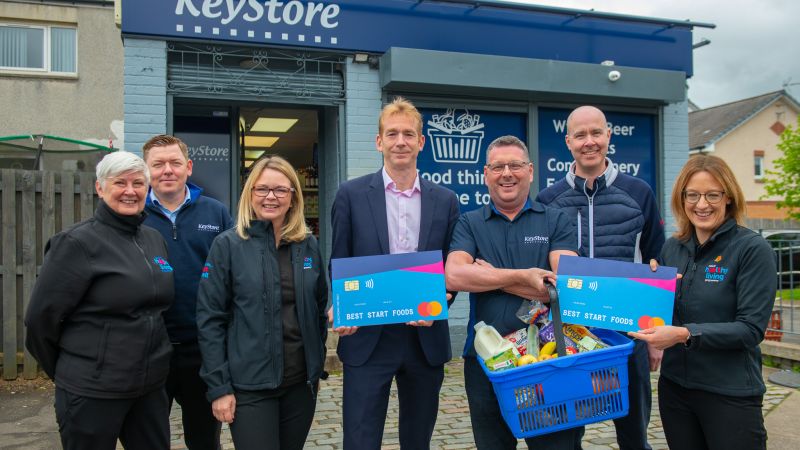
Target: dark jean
[697, 420]
[488, 427]
[632, 429]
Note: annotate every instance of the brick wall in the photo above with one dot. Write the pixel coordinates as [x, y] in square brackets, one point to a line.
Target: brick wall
[362, 110]
[676, 153]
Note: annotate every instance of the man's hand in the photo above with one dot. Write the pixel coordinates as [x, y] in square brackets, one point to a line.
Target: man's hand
[530, 283]
[341, 331]
[224, 408]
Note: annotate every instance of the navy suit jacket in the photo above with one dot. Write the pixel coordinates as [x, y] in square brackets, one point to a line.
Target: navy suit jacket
[360, 229]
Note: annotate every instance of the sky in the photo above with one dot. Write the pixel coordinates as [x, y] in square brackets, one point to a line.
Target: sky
[754, 49]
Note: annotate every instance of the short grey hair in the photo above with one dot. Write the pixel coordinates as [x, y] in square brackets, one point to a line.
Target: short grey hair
[117, 163]
[507, 140]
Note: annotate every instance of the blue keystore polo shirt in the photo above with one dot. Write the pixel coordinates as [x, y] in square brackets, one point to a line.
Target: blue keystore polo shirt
[521, 243]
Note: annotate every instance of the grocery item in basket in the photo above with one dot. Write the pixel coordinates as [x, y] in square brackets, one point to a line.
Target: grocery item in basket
[586, 340]
[546, 334]
[520, 340]
[524, 360]
[533, 312]
[533, 341]
[488, 341]
[502, 361]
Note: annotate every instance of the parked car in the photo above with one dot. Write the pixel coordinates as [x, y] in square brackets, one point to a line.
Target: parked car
[787, 248]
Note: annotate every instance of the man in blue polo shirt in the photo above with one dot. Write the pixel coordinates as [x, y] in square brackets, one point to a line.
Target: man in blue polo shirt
[501, 254]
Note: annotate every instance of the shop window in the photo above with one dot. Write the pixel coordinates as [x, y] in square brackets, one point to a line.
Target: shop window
[38, 49]
[758, 164]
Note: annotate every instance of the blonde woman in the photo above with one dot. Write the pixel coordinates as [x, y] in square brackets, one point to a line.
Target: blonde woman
[261, 315]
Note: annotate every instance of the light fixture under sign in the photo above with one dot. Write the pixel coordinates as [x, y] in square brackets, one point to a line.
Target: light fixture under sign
[260, 141]
[272, 125]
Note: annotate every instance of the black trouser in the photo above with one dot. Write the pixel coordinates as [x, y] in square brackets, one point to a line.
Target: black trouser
[695, 419]
[276, 419]
[184, 385]
[632, 429]
[140, 423]
[488, 427]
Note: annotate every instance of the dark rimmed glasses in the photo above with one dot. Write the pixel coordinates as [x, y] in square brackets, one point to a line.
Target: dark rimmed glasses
[513, 166]
[278, 192]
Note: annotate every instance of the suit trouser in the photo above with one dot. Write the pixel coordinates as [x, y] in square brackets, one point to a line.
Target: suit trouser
[699, 420]
[397, 355]
[201, 429]
[632, 429]
[488, 427]
[140, 423]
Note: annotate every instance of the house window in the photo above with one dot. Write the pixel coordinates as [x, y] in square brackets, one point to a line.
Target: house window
[38, 48]
[758, 164]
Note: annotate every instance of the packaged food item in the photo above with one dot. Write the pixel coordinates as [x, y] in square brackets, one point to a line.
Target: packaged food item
[520, 340]
[546, 334]
[489, 343]
[533, 341]
[502, 361]
[585, 339]
[533, 312]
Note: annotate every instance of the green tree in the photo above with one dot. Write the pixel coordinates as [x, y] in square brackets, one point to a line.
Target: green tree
[784, 181]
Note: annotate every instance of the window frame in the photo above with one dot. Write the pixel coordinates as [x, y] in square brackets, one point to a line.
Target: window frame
[46, 51]
[758, 164]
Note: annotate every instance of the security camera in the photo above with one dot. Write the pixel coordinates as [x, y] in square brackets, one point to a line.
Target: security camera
[614, 75]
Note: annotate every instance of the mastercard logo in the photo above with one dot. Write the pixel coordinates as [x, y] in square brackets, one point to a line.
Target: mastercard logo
[432, 309]
[650, 322]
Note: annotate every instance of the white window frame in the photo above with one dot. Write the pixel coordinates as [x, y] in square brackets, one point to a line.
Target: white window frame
[46, 56]
[756, 160]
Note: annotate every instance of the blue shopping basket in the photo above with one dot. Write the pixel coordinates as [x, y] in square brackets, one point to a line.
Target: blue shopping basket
[568, 391]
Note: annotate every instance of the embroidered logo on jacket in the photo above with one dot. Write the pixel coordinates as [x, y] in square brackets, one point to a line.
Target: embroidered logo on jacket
[715, 273]
[307, 263]
[206, 268]
[208, 227]
[162, 264]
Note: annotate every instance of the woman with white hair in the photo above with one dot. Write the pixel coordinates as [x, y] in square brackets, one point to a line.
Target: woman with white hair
[94, 318]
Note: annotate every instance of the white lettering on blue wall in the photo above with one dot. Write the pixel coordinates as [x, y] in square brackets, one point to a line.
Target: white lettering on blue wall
[290, 13]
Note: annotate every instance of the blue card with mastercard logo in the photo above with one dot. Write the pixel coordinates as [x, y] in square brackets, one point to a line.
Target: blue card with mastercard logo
[385, 289]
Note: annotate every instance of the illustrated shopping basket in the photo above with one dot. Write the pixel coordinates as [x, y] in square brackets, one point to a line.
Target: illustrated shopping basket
[568, 391]
[456, 147]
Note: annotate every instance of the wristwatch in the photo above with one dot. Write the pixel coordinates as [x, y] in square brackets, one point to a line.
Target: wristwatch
[690, 340]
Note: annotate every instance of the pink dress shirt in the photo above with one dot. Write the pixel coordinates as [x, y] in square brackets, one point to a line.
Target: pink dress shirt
[403, 213]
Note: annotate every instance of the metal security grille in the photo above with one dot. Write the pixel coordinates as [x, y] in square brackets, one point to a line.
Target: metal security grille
[254, 73]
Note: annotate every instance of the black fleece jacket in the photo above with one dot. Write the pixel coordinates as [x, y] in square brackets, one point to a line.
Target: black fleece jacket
[95, 315]
[724, 299]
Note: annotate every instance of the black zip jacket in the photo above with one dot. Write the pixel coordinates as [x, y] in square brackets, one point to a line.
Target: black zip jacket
[724, 299]
[94, 319]
[239, 311]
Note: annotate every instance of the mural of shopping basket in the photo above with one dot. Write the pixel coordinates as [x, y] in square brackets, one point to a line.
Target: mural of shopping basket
[568, 391]
[455, 139]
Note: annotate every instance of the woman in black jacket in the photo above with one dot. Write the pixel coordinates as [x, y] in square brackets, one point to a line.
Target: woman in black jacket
[94, 319]
[710, 391]
[261, 315]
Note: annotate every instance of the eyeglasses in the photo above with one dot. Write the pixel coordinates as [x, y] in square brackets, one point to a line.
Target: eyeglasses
[278, 192]
[513, 166]
[712, 197]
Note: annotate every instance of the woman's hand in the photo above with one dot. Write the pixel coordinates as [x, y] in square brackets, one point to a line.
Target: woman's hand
[341, 331]
[224, 408]
[654, 267]
[662, 337]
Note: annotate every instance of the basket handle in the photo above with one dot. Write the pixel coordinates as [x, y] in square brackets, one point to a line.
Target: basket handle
[558, 326]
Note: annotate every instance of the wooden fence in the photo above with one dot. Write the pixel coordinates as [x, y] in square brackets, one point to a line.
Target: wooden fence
[35, 205]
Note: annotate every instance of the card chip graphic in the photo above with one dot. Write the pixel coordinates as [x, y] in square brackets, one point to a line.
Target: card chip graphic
[351, 285]
[574, 283]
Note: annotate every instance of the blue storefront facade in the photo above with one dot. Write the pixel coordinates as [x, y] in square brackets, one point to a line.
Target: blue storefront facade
[206, 69]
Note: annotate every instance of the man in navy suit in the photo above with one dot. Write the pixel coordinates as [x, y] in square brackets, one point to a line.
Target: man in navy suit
[393, 211]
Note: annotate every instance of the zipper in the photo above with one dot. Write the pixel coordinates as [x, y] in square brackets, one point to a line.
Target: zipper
[591, 226]
[174, 231]
[579, 229]
[149, 316]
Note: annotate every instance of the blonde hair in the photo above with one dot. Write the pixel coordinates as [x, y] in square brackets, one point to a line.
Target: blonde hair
[294, 228]
[721, 172]
[403, 107]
